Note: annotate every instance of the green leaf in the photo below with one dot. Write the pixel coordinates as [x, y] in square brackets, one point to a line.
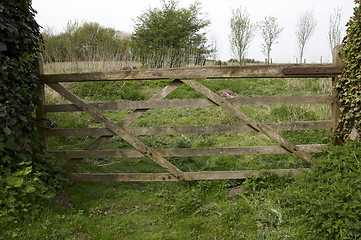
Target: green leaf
[26, 171]
[6, 159]
[15, 182]
[11, 199]
[7, 131]
[11, 144]
[23, 118]
[29, 189]
[3, 47]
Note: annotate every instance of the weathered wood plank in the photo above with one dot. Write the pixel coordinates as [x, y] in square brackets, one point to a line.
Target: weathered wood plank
[271, 100]
[268, 131]
[162, 177]
[173, 103]
[120, 131]
[250, 71]
[41, 112]
[336, 105]
[160, 131]
[314, 70]
[186, 152]
[127, 120]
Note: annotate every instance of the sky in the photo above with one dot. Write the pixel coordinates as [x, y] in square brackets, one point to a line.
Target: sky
[120, 15]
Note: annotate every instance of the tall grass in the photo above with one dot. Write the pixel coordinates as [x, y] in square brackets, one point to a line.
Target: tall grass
[89, 66]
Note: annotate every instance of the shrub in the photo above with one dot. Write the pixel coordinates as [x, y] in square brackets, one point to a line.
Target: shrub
[86, 41]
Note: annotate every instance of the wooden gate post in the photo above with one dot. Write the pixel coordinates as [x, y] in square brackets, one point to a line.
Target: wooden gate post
[337, 58]
[40, 112]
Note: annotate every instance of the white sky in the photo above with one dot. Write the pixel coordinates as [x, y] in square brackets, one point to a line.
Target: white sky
[118, 14]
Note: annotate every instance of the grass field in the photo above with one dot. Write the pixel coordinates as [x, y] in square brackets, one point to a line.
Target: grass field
[181, 210]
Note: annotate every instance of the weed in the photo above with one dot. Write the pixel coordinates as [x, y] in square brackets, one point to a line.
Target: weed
[326, 200]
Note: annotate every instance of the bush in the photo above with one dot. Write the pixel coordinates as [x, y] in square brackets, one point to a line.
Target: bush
[86, 41]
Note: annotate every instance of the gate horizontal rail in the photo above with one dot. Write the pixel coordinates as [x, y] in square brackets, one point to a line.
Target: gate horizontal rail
[252, 71]
[185, 152]
[160, 131]
[173, 103]
[166, 177]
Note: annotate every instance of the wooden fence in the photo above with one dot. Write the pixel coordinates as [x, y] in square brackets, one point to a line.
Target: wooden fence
[186, 76]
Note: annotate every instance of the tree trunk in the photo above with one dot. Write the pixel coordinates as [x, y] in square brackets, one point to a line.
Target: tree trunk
[301, 54]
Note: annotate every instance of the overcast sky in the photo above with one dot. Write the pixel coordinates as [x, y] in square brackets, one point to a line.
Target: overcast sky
[119, 15]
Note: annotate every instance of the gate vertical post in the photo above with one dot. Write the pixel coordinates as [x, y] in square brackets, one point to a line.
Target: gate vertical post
[337, 59]
[40, 112]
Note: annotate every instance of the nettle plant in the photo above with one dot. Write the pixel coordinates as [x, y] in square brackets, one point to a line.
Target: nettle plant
[349, 86]
[26, 170]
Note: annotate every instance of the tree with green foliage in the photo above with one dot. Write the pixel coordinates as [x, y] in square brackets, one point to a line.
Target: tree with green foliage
[242, 33]
[86, 41]
[170, 36]
[27, 172]
[270, 31]
[349, 86]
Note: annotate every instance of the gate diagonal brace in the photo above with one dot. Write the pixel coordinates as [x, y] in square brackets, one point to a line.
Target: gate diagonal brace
[126, 121]
[121, 132]
[257, 125]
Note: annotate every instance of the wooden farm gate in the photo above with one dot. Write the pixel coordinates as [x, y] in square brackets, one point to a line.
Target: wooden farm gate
[188, 76]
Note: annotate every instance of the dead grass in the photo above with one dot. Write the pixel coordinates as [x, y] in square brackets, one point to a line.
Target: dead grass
[89, 66]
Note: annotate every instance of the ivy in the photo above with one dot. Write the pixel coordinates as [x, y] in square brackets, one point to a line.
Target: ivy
[349, 86]
[27, 172]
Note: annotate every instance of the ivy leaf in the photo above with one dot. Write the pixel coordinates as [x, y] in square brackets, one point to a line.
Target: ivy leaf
[2, 26]
[6, 159]
[11, 144]
[7, 131]
[3, 47]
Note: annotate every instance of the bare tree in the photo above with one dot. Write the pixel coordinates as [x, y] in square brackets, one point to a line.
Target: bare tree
[335, 29]
[242, 33]
[270, 31]
[305, 27]
[213, 46]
